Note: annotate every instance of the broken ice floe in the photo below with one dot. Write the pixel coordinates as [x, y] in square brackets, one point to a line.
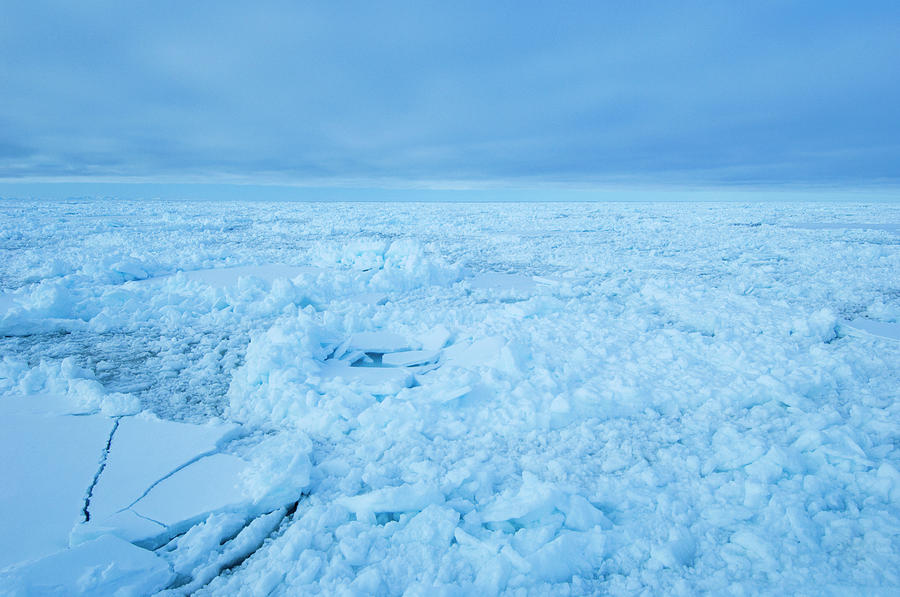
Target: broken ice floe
[45, 481]
[107, 489]
[145, 452]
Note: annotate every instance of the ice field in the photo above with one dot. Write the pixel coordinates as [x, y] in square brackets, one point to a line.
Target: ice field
[449, 399]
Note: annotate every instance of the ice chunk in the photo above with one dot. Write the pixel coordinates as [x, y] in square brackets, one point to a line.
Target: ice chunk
[568, 554]
[47, 465]
[436, 338]
[409, 358]
[211, 484]
[370, 298]
[479, 353]
[279, 468]
[205, 559]
[143, 451]
[582, 515]
[107, 565]
[380, 341]
[875, 328]
[377, 380]
[7, 302]
[432, 526]
[404, 498]
[534, 500]
[502, 282]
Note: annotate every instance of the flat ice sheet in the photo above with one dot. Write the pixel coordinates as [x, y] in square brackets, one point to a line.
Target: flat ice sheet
[208, 485]
[144, 450]
[48, 463]
[503, 282]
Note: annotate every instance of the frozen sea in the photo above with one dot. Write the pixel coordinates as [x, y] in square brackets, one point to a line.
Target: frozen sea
[449, 399]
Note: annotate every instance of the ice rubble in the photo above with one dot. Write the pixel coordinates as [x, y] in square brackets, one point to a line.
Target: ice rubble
[623, 399]
[85, 505]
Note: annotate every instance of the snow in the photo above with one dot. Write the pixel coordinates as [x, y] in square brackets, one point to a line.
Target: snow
[449, 399]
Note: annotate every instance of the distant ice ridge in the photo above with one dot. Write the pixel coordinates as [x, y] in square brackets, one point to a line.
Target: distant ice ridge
[534, 399]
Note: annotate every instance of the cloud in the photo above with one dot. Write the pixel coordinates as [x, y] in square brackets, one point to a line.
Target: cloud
[579, 92]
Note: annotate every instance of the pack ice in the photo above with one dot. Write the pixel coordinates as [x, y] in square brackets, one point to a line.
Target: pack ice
[356, 399]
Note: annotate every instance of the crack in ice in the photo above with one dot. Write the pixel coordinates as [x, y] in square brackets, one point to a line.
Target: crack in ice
[85, 511]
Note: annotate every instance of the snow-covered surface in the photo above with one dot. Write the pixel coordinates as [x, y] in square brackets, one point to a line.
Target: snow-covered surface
[445, 399]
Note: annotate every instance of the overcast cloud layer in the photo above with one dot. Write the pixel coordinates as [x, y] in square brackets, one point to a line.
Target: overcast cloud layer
[517, 92]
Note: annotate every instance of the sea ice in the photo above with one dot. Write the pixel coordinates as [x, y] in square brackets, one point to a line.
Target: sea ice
[654, 399]
[229, 276]
[107, 565]
[48, 464]
[210, 484]
[143, 451]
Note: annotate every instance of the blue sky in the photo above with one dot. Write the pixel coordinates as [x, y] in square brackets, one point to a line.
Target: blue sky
[452, 94]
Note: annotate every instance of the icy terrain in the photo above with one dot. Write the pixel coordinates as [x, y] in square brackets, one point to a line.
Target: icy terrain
[449, 399]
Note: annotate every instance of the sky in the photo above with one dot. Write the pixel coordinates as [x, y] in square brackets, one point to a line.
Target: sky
[452, 95]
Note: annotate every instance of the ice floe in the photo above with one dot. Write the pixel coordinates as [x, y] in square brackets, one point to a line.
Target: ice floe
[48, 464]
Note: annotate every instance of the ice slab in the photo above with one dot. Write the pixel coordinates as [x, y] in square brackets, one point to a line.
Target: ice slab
[47, 466]
[380, 341]
[436, 338]
[210, 484]
[503, 282]
[144, 450]
[107, 565]
[377, 380]
[876, 328]
[404, 498]
[7, 302]
[409, 358]
[370, 298]
[475, 354]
